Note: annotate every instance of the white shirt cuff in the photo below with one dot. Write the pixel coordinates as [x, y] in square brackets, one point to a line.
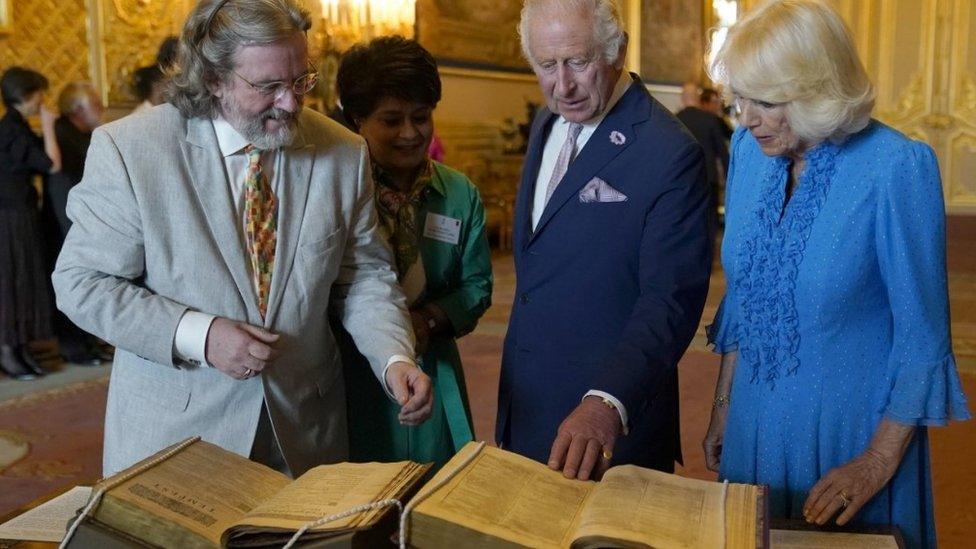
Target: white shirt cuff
[616, 404]
[190, 343]
[395, 358]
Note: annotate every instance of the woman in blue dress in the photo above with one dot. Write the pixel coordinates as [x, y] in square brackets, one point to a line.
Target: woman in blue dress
[834, 330]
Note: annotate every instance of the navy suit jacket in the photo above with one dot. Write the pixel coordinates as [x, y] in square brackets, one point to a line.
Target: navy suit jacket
[608, 295]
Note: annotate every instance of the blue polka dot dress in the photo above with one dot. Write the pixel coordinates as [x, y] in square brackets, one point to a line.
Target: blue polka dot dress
[837, 307]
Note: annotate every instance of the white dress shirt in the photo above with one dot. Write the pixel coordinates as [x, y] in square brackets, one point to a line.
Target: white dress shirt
[550, 152]
[190, 342]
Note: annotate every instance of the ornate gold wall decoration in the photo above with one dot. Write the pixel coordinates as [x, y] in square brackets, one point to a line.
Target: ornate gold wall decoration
[49, 36]
[960, 169]
[921, 54]
[967, 94]
[6, 25]
[125, 36]
[910, 103]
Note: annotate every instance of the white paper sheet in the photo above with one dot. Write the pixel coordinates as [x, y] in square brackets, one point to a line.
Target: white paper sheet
[49, 521]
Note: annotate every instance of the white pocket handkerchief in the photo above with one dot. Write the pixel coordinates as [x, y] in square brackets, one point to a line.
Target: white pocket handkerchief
[598, 190]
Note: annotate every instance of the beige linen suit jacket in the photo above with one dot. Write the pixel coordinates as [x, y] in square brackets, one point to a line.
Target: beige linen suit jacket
[155, 233]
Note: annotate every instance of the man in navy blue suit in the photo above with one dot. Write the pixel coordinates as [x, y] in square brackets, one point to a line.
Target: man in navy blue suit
[611, 255]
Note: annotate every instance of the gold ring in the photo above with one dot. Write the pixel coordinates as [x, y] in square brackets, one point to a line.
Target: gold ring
[607, 455]
[844, 498]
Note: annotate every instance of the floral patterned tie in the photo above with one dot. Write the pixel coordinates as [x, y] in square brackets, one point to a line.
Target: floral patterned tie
[260, 225]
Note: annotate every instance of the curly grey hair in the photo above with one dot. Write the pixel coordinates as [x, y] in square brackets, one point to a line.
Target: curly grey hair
[211, 36]
[608, 27]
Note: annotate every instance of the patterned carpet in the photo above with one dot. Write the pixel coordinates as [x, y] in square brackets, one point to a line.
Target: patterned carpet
[52, 441]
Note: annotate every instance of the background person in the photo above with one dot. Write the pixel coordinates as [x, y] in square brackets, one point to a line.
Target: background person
[712, 134]
[25, 306]
[81, 112]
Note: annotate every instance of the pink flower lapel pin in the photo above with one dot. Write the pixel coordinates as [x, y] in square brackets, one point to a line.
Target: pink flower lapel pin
[617, 138]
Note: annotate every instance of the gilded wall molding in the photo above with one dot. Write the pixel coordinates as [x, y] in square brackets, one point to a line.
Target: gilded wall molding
[124, 36]
[966, 99]
[910, 102]
[6, 17]
[959, 167]
[49, 36]
[963, 69]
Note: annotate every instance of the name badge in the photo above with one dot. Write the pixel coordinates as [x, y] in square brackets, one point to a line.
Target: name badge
[442, 228]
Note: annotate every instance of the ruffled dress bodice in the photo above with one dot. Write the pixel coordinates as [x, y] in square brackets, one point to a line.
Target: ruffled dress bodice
[837, 307]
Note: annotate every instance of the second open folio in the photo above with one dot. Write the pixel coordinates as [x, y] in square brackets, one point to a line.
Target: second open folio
[201, 496]
[500, 499]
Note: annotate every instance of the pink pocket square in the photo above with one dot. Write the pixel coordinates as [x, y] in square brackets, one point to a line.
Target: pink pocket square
[598, 190]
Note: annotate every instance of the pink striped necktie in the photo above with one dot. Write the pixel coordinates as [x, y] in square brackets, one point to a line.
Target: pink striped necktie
[566, 155]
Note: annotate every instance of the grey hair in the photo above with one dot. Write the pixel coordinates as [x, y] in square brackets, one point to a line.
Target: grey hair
[74, 95]
[608, 27]
[211, 36]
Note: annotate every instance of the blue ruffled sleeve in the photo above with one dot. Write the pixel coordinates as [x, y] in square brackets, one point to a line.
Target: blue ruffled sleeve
[910, 238]
[723, 331]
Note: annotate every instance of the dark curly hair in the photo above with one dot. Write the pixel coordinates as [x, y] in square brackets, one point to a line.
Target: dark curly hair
[389, 66]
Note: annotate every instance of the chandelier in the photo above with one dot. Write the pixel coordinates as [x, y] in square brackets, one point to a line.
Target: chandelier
[347, 22]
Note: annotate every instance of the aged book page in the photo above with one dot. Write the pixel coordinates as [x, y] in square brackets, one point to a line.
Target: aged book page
[331, 489]
[202, 488]
[48, 521]
[509, 498]
[654, 509]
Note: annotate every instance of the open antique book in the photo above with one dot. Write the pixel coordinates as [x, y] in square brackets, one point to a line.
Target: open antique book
[203, 497]
[501, 499]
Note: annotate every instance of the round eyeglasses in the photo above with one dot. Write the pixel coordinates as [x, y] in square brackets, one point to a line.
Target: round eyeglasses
[299, 86]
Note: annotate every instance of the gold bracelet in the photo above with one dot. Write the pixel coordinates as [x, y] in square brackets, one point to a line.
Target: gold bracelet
[721, 401]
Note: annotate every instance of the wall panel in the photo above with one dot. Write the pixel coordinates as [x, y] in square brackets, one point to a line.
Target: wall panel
[49, 36]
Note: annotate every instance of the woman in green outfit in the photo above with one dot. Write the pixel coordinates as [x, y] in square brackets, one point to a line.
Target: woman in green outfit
[434, 219]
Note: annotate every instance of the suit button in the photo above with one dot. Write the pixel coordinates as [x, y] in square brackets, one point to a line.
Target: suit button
[524, 298]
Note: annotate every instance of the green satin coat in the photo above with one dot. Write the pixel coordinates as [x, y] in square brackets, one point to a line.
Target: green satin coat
[459, 281]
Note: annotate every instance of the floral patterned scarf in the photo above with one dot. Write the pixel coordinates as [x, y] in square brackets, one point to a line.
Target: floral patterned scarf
[398, 214]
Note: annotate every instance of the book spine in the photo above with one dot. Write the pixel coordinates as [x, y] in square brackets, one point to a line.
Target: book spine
[762, 517]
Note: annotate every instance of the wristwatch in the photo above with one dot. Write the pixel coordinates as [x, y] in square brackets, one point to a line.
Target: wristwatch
[428, 319]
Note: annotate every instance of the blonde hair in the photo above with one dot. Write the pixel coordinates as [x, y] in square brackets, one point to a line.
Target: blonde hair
[608, 28]
[798, 52]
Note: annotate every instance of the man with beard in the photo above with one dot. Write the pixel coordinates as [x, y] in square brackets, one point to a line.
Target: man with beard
[210, 237]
